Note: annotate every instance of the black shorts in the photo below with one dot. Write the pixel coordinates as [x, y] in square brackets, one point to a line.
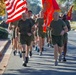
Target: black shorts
[57, 40]
[25, 39]
[42, 34]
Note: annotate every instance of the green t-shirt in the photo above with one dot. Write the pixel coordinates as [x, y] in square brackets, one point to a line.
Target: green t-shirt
[32, 21]
[57, 27]
[25, 26]
[68, 26]
[40, 22]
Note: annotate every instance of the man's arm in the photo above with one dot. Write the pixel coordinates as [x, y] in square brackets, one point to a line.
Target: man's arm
[68, 25]
[64, 31]
[10, 26]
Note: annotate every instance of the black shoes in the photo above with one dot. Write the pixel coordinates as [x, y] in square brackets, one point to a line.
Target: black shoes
[26, 61]
[20, 54]
[14, 52]
[56, 63]
[64, 59]
[42, 48]
[38, 50]
[60, 57]
[40, 53]
[30, 53]
[25, 64]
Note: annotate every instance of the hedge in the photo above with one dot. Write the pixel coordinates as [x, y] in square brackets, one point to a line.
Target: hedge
[3, 33]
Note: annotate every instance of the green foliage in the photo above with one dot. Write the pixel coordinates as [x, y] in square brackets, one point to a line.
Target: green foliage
[34, 6]
[60, 1]
[2, 8]
[74, 4]
[3, 33]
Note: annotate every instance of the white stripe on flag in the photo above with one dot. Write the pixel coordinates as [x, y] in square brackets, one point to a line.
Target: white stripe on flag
[15, 8]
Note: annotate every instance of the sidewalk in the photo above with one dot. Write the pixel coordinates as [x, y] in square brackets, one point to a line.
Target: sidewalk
[42, 65]
[3, 44]
[3, 47]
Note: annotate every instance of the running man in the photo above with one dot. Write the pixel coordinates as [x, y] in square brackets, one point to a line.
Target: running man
[58, 29]
[40, 23]
[65, 39]
[32, 37]
[24, 28]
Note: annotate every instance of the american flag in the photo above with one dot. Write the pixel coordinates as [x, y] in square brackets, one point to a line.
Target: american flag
[14, 9]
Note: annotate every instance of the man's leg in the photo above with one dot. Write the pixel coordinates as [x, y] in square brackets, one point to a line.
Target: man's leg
[43, 40]
[56, 54]
[40, 45]
[20, 50]
[14, 46]
[23, 52]
[60, 52]
[65, 50]
[30, 50]
[26, 56]
[28, 43]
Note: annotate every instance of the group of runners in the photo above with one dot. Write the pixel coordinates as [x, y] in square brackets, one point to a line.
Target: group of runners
[27, 35]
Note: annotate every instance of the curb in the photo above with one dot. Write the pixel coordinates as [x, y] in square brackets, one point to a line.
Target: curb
[3, 47]
[5, 59]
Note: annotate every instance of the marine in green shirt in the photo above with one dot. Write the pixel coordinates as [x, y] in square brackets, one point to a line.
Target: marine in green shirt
[65, 37]
[24, 29]
[40, 22]
[57, 27]
[69, 28]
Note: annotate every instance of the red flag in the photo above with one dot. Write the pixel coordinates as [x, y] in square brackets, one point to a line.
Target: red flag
[69, 14]
[15, 8]
[55, 5]
[49, 6]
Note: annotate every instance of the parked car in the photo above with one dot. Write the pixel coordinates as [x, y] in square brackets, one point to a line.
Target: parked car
[1, 18]
[4, 25]
[3, 33]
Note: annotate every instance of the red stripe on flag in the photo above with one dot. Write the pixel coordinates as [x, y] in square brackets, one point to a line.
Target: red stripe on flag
[17, 12]
[15, 8]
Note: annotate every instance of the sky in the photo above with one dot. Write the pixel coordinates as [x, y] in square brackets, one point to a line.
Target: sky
[40, 2]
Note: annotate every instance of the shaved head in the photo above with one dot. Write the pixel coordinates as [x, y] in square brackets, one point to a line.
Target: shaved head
[25, 15]
[56, 15]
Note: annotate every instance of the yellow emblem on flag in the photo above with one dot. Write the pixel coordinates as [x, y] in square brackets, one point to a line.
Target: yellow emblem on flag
[46, 5]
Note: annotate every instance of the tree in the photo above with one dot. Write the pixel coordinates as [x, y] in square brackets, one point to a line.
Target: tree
[73, 2]
[34, 5]
[2, 7]
[61, 1]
